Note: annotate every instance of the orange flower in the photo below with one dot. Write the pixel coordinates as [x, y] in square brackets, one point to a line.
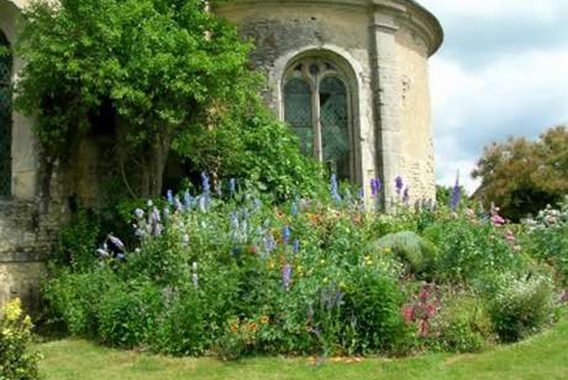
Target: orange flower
[253, 327]
[234, 328]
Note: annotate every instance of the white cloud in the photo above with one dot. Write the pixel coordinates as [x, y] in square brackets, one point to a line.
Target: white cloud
[540, 10]
[518, 95]
[479, 98]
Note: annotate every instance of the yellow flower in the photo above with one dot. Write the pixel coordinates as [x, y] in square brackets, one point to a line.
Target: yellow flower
[13, 310]
[387, 250]
[264, 320]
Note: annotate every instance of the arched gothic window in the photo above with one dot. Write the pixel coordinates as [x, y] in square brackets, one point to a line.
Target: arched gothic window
[317, 106]
[5, 116]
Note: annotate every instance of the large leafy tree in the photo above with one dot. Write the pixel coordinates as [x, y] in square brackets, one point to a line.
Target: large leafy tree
[167, 73]
[523, 176]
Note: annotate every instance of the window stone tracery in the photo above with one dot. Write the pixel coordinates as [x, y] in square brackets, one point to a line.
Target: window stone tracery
[317, 106]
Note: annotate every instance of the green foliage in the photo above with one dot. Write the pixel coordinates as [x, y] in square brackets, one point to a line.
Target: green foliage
[128, 314]
[519, 307]
[372, 312]
[463, 324]
[417, 253]
[522, 176]
[546, 239]
[469, 249]
[16, 360]
[76, 242]
[74, 298]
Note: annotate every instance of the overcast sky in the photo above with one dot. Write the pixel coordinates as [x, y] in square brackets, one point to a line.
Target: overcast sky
[502, 71]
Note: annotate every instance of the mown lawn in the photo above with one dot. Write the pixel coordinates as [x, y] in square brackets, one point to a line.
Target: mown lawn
[542, 357]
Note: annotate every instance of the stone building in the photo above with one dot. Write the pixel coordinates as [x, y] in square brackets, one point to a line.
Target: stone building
[349, 76]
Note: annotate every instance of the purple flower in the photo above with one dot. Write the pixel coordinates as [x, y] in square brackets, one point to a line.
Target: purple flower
[232, 186]
[286, 234]
[296, 246]
[121, 256]
[155, 216]
[456, 195]
[269, 243]
[335, 188]
[187, 199]
[205, 185]
[116, 242]
[376, 186]
[398, 184]
[287, 276]
[170, 197]
[234, 221]
[361, 194]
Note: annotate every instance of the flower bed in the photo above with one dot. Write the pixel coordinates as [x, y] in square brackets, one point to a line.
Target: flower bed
[235, 274]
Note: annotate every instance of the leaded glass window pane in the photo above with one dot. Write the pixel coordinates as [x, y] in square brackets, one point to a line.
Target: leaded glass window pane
[335, 126]
[5, 117]
[298, 112]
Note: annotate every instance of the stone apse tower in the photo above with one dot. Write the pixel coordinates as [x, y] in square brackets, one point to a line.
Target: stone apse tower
[349, 76]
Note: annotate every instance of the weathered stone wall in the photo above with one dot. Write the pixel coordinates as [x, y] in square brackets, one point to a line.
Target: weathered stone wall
[387, 44]
[417, 137]
[284, 31]
[28, 231]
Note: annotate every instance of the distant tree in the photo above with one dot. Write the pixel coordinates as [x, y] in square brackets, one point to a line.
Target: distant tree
[523, 176]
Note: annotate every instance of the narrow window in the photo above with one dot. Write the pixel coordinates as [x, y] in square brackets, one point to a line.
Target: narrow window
[316, 105]
[335, 127]
[5, 117]
[298, 112]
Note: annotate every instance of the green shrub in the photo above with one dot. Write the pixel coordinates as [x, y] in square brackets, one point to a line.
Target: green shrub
[470, 249]
[462, 325]
[372, 312]
[417, 253]
[76, 242]
[546, 239]
[16, 361]
[181, 330]
[74, 298]
[128, 314]
[519, 307]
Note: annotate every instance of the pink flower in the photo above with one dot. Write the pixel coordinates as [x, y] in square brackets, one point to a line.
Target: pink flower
[408, 314]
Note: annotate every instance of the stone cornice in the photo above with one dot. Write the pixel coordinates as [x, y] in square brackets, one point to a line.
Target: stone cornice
[408, 13]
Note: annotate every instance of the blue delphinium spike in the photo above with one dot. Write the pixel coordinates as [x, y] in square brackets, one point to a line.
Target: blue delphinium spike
[456, 195]
[170, 197]
[286, 235]
[335, 188]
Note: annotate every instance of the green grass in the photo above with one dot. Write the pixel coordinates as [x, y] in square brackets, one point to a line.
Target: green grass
[542, 357]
